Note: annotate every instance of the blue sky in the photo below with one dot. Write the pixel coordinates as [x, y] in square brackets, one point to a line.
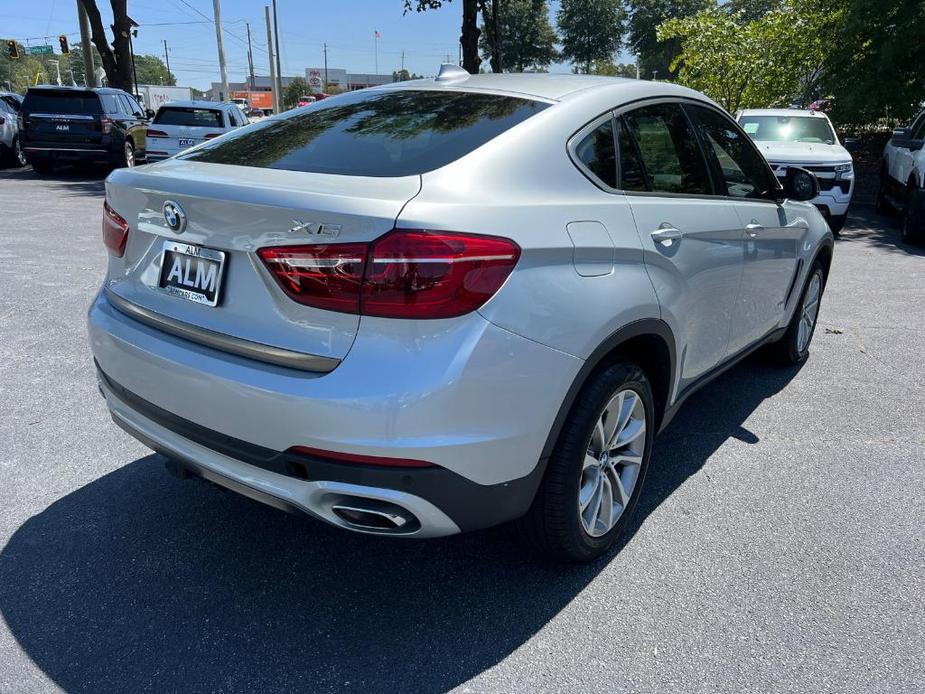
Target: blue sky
[346, 25]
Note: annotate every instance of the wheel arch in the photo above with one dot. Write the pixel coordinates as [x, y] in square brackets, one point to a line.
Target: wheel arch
[648, 343]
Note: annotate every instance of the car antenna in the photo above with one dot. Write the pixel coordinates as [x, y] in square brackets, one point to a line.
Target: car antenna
[451, 73]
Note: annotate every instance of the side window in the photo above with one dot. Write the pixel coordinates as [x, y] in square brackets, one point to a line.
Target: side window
[596, 152]
[632, 174]
[134, 108]
[110, 104]
[230, 118]
[744, 173]
[670, 152]
[919, 132]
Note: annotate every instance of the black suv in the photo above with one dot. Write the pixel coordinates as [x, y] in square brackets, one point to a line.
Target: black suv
[74, 125]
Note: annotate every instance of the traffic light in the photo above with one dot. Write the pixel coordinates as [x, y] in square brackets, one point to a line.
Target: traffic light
[13, 49]
[64, 47]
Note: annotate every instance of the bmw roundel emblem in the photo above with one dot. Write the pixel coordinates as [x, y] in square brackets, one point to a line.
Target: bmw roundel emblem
[174, 216]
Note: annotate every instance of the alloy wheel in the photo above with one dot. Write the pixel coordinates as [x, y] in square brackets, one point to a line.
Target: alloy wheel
[18, 154]
[129, 155]
[809, 311]
[612, 463]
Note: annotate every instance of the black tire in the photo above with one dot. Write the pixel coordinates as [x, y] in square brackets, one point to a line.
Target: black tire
[17, 156]
[837, 222]
[912, 224]
[553, 524]
[42, 167]
[787, 349]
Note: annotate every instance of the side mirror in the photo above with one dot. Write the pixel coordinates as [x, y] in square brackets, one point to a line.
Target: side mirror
[149, 114]
[914, 145]
[852, 144]
[800, 184]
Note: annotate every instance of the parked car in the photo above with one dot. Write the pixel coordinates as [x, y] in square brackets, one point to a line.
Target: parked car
[255, 114]
[306, 100]
[806, 139]
[902, 178]
[70, 125]
[179, 125]
[444, 304]
[11, 153]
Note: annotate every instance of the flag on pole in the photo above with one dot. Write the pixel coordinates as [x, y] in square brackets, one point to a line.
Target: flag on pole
[378, 35]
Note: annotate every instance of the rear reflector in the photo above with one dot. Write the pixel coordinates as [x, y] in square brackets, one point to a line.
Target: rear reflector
[115, 231]
[404, 274]
[358, 459]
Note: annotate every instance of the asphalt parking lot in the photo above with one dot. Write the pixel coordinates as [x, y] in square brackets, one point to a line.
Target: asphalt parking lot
[779, 545]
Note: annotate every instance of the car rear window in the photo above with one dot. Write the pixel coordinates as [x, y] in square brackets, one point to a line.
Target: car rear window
[369, 133]
[197, 117]
[814, 129]
[62, 102]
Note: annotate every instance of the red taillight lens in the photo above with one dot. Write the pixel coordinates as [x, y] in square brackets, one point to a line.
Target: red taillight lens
[115, 231]
[212, 135]
[423, 274]
[157, 133]
[358, 459]
[106, 124]
[325, 276]
[404, 274]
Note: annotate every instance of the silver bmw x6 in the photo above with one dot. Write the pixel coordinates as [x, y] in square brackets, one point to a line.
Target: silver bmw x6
[446, 304]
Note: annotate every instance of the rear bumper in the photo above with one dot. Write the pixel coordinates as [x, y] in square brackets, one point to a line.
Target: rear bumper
[473, 399]
[69, 153]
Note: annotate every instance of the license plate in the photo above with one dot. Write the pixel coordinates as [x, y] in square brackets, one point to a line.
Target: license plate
[186, 142]
[192, 272]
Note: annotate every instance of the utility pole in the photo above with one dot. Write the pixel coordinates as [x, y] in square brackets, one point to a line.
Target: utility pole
[273, 87]
[86, 47]
[217, 12]
[325, 89]
[403, 62]
[166, 56]
[279, 68]
[250, 54]
[376, 42]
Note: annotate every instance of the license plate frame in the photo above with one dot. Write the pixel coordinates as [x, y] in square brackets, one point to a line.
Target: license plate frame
[186, 141]
[198, 254]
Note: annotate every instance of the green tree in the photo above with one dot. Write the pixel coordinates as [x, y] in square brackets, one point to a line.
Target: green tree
[296, 90]
[644, 18]
[403, 75]
[469, 37]
[590, 30]
[874, 60]
[528, 41]
[152, 70]
[609, 68]
[743, 63]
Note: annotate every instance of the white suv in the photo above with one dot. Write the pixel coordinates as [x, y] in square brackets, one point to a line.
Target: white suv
[445, 304]
[902, 178]
[789, 137]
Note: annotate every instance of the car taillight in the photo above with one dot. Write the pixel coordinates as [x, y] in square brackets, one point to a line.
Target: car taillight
[324, 276]
[335, 456]
[115, 231]
[157, 133]
[404, 274]
[106, 124]
[209, 136]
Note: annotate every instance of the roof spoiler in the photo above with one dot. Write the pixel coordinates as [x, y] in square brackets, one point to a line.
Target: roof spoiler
[451, 73]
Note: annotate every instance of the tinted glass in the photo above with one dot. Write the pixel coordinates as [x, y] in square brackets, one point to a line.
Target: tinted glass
[670, 152]
[918, 132]
[132, 105]
[369, 133]
[596, 151]
[47, 101]
[742, 168]
[788, 129]
[197, 117]
[111, 103]
[12, 102]
[632, 173]
[5, 107]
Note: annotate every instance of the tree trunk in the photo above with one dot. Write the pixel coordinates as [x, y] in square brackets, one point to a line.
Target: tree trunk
[491, 18]
[117, 59]
[469, 40]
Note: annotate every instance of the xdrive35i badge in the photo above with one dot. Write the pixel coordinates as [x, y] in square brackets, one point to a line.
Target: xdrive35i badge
[174, 216]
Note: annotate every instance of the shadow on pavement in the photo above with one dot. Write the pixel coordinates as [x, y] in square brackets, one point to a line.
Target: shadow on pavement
[140, 581]
[68, 181]
[867, 226]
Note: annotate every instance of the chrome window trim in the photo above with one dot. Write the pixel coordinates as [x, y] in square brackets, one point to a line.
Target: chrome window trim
[224, 343]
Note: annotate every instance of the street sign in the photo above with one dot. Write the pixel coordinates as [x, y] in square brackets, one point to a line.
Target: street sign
[40, 50]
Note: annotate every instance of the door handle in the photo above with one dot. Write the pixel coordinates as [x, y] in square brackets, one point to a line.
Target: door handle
[753, 229]
[666, 234]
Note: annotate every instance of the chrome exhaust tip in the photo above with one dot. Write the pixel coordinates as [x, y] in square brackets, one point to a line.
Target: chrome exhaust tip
[371, 515]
